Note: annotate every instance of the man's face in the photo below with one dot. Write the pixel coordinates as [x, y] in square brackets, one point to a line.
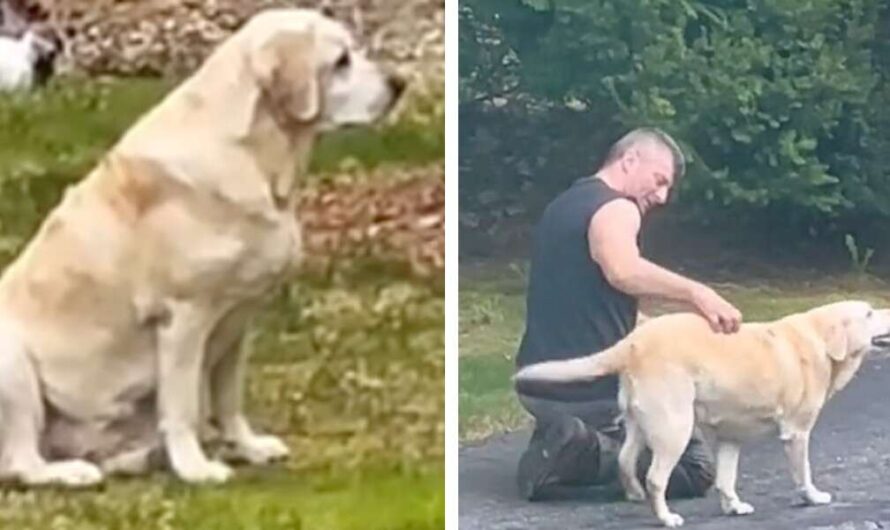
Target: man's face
[650, 175]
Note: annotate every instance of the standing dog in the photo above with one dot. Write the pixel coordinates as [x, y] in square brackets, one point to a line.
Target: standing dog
[121, 321]
[675, 373]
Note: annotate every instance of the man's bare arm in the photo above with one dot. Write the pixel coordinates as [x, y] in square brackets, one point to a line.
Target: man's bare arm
[612, 237]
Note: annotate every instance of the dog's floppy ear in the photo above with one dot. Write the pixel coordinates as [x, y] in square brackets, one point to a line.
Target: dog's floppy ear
[836, 346]
[284, 67]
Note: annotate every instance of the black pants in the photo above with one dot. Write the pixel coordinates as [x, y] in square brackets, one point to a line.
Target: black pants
[596, 463]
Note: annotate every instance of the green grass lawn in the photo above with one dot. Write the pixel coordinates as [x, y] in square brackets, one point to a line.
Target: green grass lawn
[348, 369]
[492, 312]
[258, 499]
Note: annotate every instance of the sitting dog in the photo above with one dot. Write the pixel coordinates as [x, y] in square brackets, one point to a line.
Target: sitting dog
[121, 321]
[675, 372]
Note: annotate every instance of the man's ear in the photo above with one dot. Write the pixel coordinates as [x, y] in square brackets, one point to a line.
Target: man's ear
[284, 69]
[630, 159]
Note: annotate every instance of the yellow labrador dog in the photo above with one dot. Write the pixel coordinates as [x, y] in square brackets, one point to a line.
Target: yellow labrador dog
[121, 322]
[675, 373]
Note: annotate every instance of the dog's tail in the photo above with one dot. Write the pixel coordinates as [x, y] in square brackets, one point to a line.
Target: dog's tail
[606, 362]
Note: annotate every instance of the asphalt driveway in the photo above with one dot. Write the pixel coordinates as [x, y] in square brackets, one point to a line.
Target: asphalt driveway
[850, 453]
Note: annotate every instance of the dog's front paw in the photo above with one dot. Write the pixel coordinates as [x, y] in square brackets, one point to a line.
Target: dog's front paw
[208, 472]
[738, 508]
[672, 520]
[260, 450]
[815, 497]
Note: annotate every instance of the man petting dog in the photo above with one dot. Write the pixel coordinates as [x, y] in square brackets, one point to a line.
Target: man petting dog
[585, 279]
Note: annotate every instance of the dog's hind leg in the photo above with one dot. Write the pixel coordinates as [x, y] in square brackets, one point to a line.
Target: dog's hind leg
[134, 462]
[23, 415]
[727, 467]
[138, 446]
[664, 412]
[628, 457]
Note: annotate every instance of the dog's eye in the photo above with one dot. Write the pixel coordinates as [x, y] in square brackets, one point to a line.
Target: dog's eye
[343, 61]
[870, 313]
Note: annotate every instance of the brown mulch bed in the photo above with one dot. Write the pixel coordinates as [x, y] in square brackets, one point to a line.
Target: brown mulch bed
[394, 220]
[151, 37]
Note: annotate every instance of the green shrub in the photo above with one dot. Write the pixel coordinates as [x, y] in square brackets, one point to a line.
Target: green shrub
[780, 104]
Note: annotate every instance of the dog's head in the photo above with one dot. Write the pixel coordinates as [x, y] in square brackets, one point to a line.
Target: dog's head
[852, 328]
[311, 70]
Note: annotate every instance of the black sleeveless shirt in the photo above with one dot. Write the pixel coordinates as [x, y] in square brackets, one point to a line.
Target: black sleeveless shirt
[571, 309]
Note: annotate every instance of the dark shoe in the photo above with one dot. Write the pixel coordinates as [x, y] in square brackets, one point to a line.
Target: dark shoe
[539, 465]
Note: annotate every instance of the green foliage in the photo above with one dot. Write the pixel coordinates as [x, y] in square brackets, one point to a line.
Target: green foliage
[780, 104]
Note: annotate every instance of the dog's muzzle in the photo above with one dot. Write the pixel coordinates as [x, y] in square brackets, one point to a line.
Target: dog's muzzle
[881, 341]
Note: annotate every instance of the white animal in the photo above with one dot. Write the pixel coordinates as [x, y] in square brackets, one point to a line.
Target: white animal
[19, 57]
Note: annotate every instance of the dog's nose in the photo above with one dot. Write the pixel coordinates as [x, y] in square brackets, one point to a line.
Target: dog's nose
[397, 85]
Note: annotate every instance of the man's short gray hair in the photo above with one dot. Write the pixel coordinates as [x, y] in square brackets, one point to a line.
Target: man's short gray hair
[648, 135]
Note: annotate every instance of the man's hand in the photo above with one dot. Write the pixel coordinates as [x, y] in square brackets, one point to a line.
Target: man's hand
[723, 316]
[612, 237]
